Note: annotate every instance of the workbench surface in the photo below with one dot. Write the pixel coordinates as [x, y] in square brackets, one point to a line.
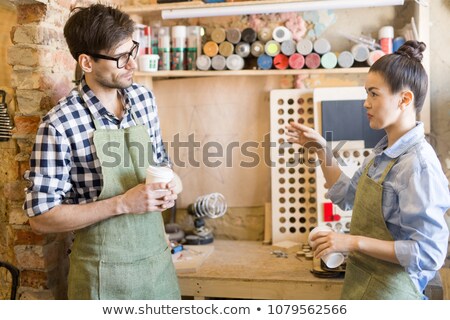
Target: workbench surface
[248, 270]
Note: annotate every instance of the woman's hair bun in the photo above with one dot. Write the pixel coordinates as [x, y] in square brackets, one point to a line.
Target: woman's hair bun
[412, 49]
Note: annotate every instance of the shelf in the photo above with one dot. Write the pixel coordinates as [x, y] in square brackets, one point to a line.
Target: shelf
[212, 73]
[155, 8]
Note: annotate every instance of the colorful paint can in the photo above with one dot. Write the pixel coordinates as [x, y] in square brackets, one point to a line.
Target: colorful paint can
[233, 35]
[218, 35]
[281, 34]
[374, 56]
[304, 47]
[178, 48]
[211, 48]
[329, 60]
[296, 61]
[264, 62]
[345, 59]
[248, 35]
[322, 46]
[242, 49]
[281, 61]
[264, 35]
[272, 48]
[164, 48]
[360, 52]
[312, 60]
[257, 48]
[226, 49]
[218, 62]
[397, 43]
[386, 36]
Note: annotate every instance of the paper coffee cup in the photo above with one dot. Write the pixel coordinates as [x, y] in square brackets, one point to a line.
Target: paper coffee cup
[159, 174]
[332, 260]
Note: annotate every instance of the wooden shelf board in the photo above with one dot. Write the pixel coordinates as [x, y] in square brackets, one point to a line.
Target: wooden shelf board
[212, 73]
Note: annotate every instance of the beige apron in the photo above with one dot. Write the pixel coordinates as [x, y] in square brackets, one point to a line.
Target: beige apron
[367, 277]
[123, 257]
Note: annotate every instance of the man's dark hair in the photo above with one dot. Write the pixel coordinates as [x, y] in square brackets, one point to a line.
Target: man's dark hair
[95, 28]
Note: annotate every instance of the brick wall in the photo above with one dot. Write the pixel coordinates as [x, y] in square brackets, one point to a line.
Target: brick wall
[38, 82]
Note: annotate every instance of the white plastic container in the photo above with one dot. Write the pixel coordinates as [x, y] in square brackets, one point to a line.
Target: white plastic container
[332, 260]
[159, 175]
[386, 36]
[148, 62]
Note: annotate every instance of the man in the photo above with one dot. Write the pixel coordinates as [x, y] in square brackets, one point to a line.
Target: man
[89, 163]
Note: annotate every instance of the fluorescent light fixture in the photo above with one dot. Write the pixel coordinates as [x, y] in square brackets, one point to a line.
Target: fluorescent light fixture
[274, 7]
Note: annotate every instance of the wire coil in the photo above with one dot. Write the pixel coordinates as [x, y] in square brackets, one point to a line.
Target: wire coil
[212, 206]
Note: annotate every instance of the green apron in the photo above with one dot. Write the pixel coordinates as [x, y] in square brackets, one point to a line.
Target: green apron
[123, 257]
[367, 277]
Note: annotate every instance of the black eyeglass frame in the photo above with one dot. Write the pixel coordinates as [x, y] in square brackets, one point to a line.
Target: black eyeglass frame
[130, 54]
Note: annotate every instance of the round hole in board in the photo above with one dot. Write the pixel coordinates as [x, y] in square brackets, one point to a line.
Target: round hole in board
[290, 102]
[366, 153]
[302, 220]
[311, 170]
[291, 150]
[282, 180]
[292, 230]
[292, 200]
[280, 121]
[282, 190]
[311, 228]
[356, 154]
[280, 131]
[280, 111]
[312, 190]
[281, 151]
[310, 110]
[312, 210]
[312, 220]
[302, 229]
[282, 230]
[302, 210]
[301, 150]
[291, 111]
[301, 101]
[301, 190]
[282, 210]
[290, 120]
[281, 161]
[302, 200]
[311, 120]
[310, 100]
[281, 141]
[301, 121]
[292, 210]
[282, 200]
[291, 170]
[301, 180]
[312, 200]
[301, 170]
[281, 170]
[312, 180]
[301, 111]
[291, 180]
[292, 219]
[280, 102]
[282, 220]
[346, 154]
[291, 190]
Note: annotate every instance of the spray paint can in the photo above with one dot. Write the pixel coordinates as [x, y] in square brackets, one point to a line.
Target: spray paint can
[218, 62]
[397, 43]
[322, 46]
[374, 56]
[312, 60]
[218, 35]
[360, 52]
[203, 62]
[242, 49]
[264, 35]
[281, 34]
[164, 48]
[226, 49]
[154, 39]
[257, 48]
[193, 41]
[386, 36]
[272, 48]
[288, 47]
[178, 47]
[281, 61]
[210, 48]
[265, 62]
[233, 35]
[304, 47]
[235, 62]
[328, 60]
[296, 61]
[345, 59]
[248, 35]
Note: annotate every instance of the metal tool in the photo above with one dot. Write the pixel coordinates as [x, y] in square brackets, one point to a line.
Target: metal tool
[5, 119]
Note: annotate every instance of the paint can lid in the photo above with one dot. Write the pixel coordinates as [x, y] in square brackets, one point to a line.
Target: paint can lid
[374, 56]
[179, 31]
[360, 52]
[265, 34]
[312, 60]
[218, 62]
[248, 35]
[281, 34]
[210, 48]
[235, 62]
[296, 61]
[203, 62]
[257, 48]
[304, 47]
[233, 35]
[345, 59]
[265, 62]
[386, 32]
[328, 60]
[242, 49]
[322, 46]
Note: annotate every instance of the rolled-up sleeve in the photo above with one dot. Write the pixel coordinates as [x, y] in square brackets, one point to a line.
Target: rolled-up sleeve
[422, 206]
[342, 193]
[48, 177]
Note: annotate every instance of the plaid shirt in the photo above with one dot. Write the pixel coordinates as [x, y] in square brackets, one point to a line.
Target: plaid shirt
[64, 167]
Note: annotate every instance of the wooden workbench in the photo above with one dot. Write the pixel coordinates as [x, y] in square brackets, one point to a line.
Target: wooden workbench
[246, 269]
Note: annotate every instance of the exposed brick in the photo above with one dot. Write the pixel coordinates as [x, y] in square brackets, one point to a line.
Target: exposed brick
[23, 235]
[34, 279]
[26, 293]
[14, 191]
[30, 257]
[28, 13]
[38, 34]
[23, 55]
[17, 216]
[29, 101]
[25, 146]
[26, 124]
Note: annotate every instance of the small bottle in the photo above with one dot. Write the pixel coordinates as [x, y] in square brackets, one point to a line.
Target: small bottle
[248, 35]
[312, 60]
[193, 40]
[226, 49]
[296, 61]
[164, 48]
[210, 48]
[397, 43]
[374, 56]
[386, 36]
[281, 61]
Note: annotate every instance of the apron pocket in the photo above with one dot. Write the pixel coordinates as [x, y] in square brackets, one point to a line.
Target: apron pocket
[382, 289]
[355, 283]
[149, 278]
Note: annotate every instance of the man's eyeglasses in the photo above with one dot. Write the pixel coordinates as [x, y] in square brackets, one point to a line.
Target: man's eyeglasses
[121, 60]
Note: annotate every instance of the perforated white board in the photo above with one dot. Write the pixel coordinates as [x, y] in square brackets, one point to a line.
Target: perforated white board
[293, 181]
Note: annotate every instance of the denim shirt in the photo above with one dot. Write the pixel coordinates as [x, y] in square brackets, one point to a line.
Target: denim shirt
[415, 199]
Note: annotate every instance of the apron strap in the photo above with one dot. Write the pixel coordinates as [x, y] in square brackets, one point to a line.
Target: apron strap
[386, 170]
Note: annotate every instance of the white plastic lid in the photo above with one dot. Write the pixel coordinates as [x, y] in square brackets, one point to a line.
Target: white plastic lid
[235, 62]
[179, 31]
[203, 62]
[386, 32]
[322, 46]
[281, 34]
[304, 46]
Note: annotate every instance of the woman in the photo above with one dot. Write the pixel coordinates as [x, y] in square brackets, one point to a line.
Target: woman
[398, 237]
